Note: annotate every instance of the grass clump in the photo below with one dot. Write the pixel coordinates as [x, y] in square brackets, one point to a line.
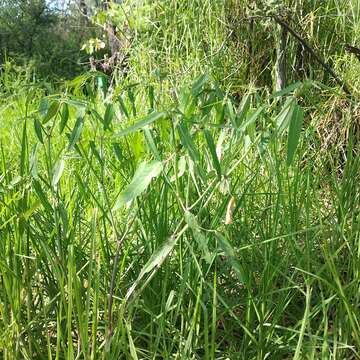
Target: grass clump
[163, 214]
[178, 232]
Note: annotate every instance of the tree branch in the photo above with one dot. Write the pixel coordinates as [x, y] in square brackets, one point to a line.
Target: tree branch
[313, 53]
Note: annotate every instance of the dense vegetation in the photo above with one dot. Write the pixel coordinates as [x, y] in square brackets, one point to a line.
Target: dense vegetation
[184, 187]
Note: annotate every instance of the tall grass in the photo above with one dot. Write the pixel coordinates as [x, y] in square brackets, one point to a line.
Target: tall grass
[236, 42]
[174, 216]
[230, 252]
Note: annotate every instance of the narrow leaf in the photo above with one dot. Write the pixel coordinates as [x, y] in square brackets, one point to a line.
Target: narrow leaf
[33, 162]
[147, 120]
[243, 109]
[59, 168]
[198, 85]
[38, 130]
[118, 152]
[294, 132]
[287, 90]
[283, 119]
[109, 115]
[123, 108]
[188, 143]
[64, 117]
[198, 235]
[42, 196]
[231, 256]
[231, 113]
[252, 118]
[44, 106]
[212, 148]
[141, 180]
[51, 112]
[181, 167]
[154, 263]
[76, 132]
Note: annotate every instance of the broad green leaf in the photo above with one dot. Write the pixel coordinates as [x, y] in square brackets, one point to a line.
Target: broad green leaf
[123, 108]
[97, 116]
[24, 150]
[109, 115]
[181, 169]
[95, 151]
[212, 148]
[154, 263]
[64, 117]
[189, 144]
[33, 162]
[243, 109]
[220, 113]
[186, 103]
[252, 118]
[294, 132]
[198, 85]
[264, 141]
[220, 144]
[287, 90]
[131, 97]
[102, 84]
[132, 347]
[38, 130]
[76, 132]
[80, 111]
[118, 152]
[58, 170]
[283, 119]
[44, 106]
[42, 196]
[30, 210]
[147, 120]
[211, 101]
[151, 97]
[151, 143]
[76, 103]
[141, 180]
[51, 112]
[231, 113]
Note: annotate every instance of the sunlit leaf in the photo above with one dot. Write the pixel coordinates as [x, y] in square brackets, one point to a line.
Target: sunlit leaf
[109, 115]
[51, 112]
[59, 168]
[212, 148]
[38, 130]
[147, 120]
[141, 180]
[64, 117]
[76, 132]
[294, 132]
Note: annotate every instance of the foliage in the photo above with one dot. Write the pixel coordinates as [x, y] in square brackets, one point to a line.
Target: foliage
[181, 39]
[159, 214]
[33, 31]
[280, 271]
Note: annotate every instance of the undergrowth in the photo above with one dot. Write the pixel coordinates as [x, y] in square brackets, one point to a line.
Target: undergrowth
[160, 214]
[199, 230]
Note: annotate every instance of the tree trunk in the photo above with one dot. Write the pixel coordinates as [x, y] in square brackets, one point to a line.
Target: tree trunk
[280, 67]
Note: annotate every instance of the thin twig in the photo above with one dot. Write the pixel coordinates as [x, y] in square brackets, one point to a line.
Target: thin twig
[313, 53]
